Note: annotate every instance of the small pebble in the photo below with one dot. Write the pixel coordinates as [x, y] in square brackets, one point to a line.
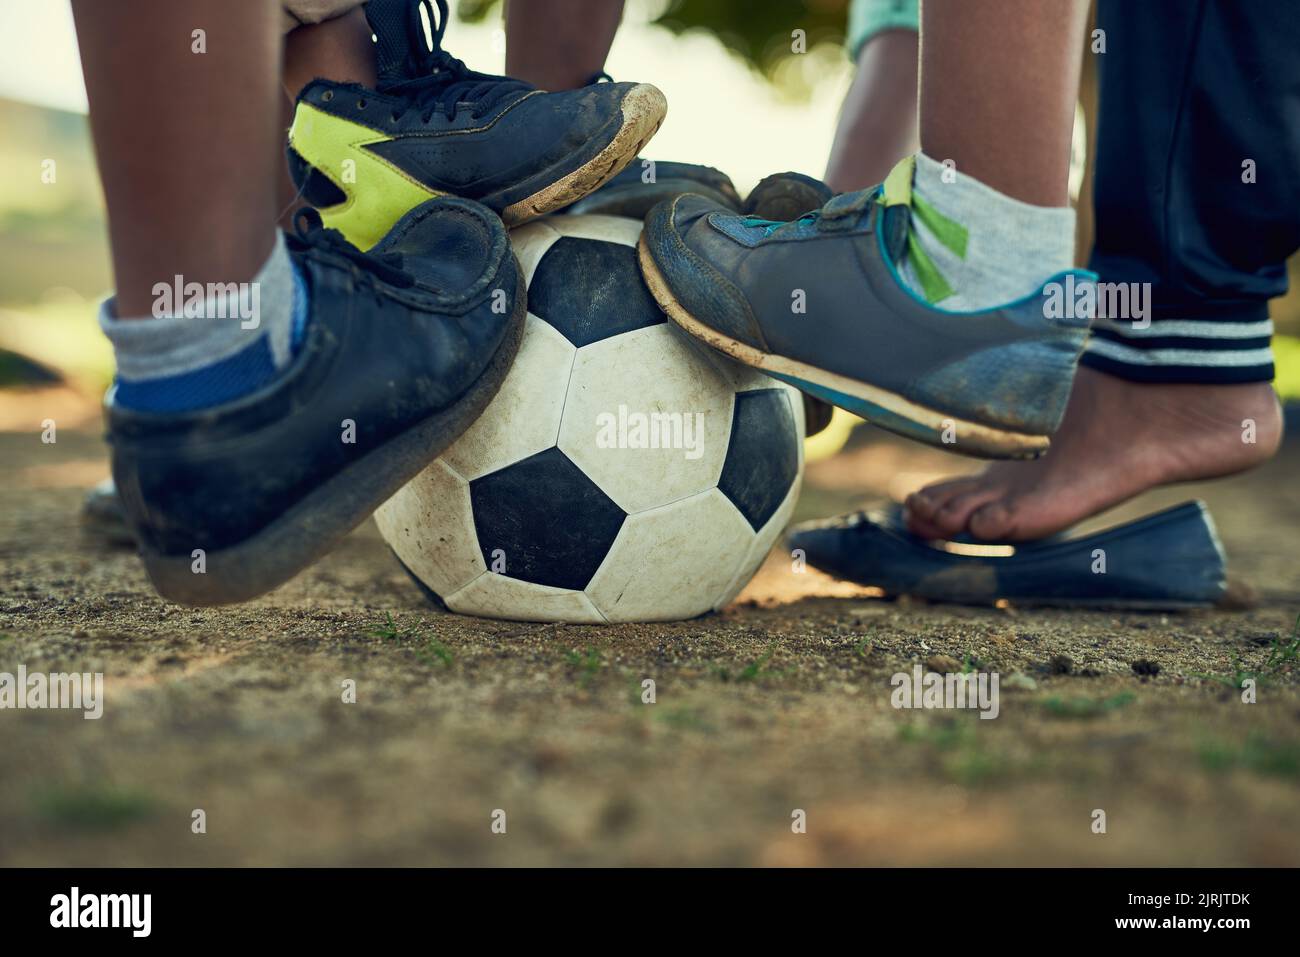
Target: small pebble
[943, 664]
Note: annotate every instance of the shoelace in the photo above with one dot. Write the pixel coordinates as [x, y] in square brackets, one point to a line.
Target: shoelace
[439, 82]
[386, 268]
[769, 226]
[897, 191]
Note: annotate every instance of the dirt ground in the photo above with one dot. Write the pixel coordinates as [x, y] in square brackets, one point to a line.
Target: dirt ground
[780, 703]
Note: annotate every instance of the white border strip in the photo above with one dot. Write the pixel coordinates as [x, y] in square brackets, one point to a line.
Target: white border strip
[1210, 358]
[1189, 328]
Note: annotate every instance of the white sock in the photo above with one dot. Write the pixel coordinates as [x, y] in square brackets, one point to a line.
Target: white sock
[986, 248]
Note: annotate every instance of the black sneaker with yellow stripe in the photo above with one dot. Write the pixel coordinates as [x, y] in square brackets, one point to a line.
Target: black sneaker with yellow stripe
[434, 127]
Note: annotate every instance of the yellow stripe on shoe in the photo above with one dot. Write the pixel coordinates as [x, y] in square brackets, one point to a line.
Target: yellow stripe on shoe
[337, 147]
[897, 191]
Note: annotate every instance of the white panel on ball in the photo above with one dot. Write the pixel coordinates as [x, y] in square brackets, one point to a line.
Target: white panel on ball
[609, 229]
[430, 526]
[635, 385]
[770, 533]
[673, 561]
[530, 242]
[498, 596]
[761, 545]
[524, 418]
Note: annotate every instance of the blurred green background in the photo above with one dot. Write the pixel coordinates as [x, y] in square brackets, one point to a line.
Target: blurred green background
[54, 262]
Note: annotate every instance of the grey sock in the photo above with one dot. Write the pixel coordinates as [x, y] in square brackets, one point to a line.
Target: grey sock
[197, 326]
[1004, 249]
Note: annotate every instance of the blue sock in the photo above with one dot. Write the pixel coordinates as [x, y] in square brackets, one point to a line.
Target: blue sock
[204, 345]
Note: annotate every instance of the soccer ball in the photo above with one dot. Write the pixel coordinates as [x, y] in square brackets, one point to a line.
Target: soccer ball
[623, 472]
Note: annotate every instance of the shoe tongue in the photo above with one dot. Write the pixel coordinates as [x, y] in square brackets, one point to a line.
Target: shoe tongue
[401, 51]
[896, 207]
[894, 223]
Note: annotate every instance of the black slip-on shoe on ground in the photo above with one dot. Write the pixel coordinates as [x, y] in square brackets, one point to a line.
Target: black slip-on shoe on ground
[1170, 559]
[404, 348]
[433, 127]
[818, 302]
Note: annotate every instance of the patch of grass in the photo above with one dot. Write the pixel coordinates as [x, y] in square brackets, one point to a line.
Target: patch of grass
[756, 670]
[864, 647]
[588, 664]
[975, 766]
[431, 651]
[943, 735]
[683, 718]
[1237, 681]
[963, 755]
[1060, 707]
[1283, 652]
[1258, 754]
[390, 631]
[635, 691]
[93, 808]
[435, 652]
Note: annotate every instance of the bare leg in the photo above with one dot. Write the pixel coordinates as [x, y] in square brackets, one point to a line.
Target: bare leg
[1123, 436]
[878, 124]
[560, 44]
[187, 142]
[339, 50]
[999, 80]
[288, 202]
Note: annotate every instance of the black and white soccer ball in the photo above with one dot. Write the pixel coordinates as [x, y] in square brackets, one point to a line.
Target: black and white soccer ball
[623, 472]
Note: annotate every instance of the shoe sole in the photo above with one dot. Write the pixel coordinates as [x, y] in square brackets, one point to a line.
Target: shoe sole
[879, 406]
[314, 525]
[643, 112]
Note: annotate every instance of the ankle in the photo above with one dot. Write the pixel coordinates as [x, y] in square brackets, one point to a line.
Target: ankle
[1258, 415]
[1211, 429]
[206, 344]
[973, 248]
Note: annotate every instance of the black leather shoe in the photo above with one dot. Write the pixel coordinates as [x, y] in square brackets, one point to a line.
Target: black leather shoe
[646, 183]
[103, 517]
[782, 197]
[404, 348]
[1171, 559]
[433, 127]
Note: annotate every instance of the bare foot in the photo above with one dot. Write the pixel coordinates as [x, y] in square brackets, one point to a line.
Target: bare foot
[1117, 439]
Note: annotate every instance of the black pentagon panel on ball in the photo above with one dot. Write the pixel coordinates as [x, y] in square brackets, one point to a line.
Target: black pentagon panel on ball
[545, 520]
[762, 455]
[589, 290]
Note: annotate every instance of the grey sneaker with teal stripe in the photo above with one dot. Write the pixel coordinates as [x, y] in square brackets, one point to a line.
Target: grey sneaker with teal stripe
[818, 302]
